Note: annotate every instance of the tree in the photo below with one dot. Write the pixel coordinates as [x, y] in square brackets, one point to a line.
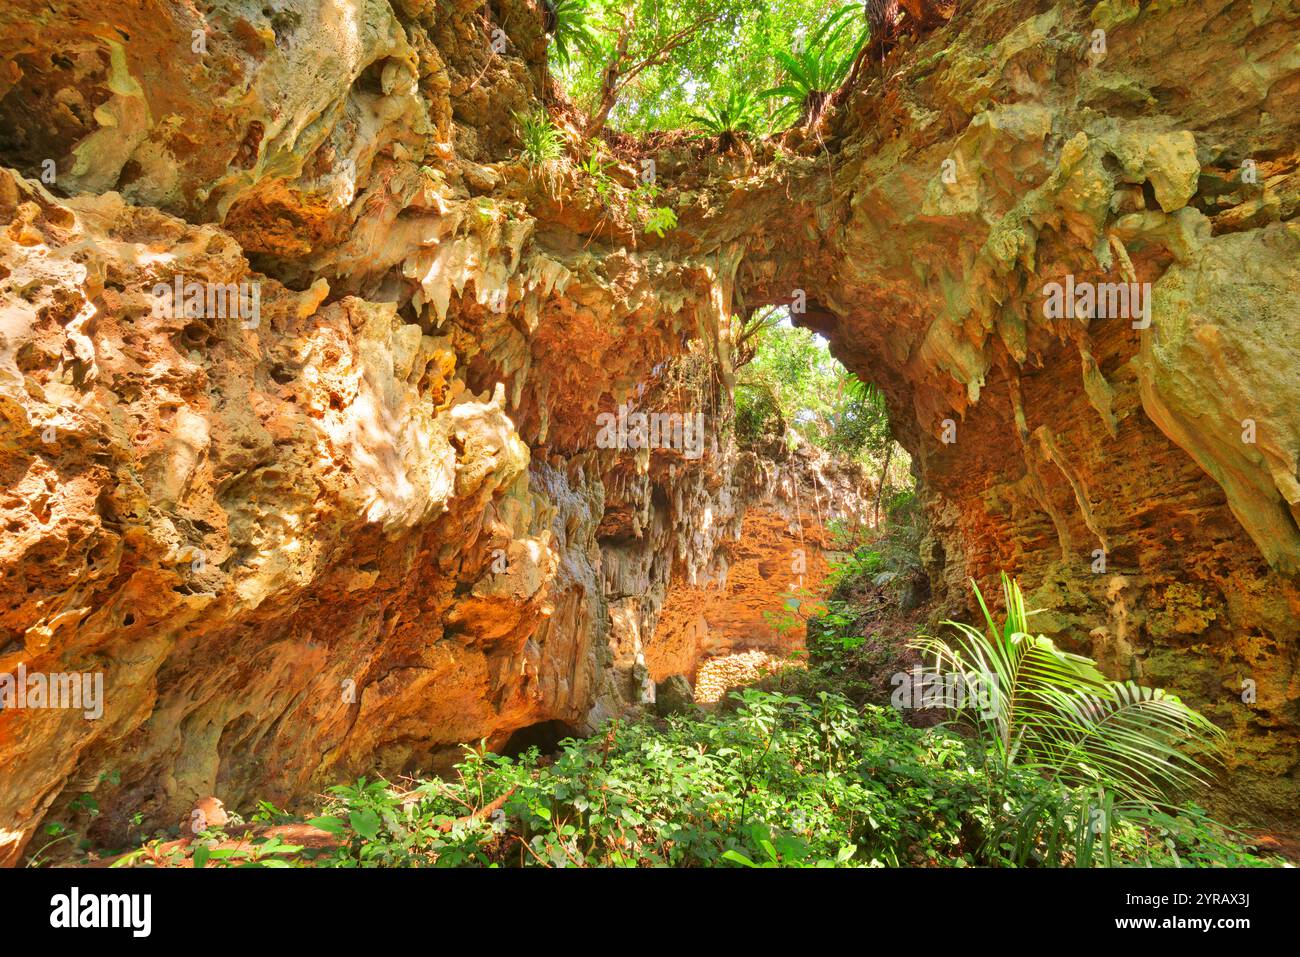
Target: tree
[628, 60]
[787, 378]
[654, 63]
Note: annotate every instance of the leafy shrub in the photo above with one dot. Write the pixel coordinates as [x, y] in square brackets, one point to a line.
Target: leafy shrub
[730, 117]
[900, 545]
[757, 413]
[777, 781]
[597, 172]
[659, 219]
[653, 219]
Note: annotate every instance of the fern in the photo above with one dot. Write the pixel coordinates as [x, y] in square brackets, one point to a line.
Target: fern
[729, 117]
[816, 67]
[574, 32]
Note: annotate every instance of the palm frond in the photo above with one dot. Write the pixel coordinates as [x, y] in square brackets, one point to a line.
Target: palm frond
[574, 31]
[820, 63]
[1144, 738]
[1044, 708]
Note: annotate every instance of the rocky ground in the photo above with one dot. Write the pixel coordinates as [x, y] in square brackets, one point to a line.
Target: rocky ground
[719, 675]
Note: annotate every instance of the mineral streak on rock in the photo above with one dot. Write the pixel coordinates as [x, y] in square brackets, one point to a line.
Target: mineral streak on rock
[375, 523]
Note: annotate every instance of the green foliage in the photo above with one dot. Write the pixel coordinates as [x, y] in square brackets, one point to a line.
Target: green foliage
[640, 201]
[859, 419]
[729, 116]
[674, 47]
[900, 540]
[758, 412]
[1087, 828]
[596, 171]
[793, 381]
[798, 605]
[1077, 817]
[778, 780]
[543, 149]
[206, 851]
[774, 780]
[575, 32]
[660, 219]
[1067, 769]
[1117, 752]
[864, 562]
[814, 67]
[653, 219]
[268, 813]
[1053, 711]
[542, 142]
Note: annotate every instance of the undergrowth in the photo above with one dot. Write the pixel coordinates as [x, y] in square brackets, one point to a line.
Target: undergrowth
[814, 769]
[778, 781]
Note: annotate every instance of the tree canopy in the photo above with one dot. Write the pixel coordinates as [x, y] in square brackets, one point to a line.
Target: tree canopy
[657, 64]
[794, 383]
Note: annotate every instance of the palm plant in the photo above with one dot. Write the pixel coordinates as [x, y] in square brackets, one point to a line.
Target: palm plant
[729, 118]
[1051, 711]
[1116, 751]
[817, 66]
[573, 32]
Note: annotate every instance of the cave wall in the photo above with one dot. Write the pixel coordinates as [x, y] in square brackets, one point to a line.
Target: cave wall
[282, 543]
[374, 521]
[1142, 482]
[794, 502]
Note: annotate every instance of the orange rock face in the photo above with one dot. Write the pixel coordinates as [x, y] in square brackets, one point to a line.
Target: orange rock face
[768, 579]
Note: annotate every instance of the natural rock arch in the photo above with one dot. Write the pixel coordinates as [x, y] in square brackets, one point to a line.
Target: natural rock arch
[350, 468]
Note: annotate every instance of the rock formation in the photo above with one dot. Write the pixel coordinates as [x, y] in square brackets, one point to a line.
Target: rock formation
[780, 555]
[359, 513]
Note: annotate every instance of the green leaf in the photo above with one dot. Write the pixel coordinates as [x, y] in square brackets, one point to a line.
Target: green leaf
[738, 858]
[366, 823]
[333, 825]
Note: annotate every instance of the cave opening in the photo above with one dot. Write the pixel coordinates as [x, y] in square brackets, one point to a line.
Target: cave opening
[792, 390]
[842, 504]
[545, 736]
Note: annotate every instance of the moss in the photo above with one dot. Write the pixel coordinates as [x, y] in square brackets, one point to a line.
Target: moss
[1113, 13]
[1184, 609]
